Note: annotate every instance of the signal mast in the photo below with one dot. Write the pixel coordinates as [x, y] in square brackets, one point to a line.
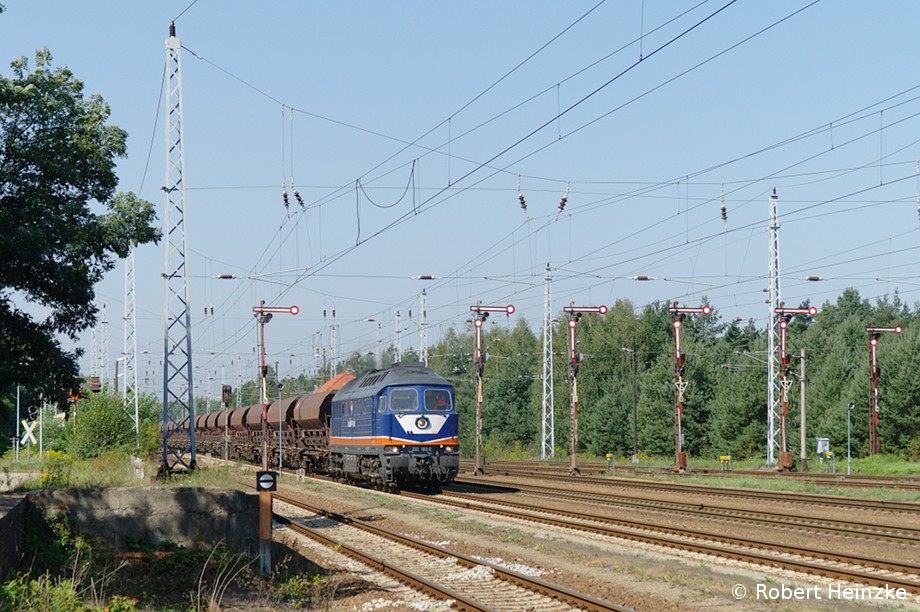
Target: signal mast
[678, 315]
[575, 313]
[785, 377]
[874, 373]
[482, 313]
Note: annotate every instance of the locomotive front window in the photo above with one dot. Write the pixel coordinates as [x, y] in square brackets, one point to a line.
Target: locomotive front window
[437, 399]
[403, 400]
[382, 404]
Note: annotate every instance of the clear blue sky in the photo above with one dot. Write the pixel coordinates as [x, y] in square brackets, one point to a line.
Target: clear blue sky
[457, 100]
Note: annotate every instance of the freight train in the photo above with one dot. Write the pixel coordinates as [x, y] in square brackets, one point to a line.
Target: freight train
[389, 428]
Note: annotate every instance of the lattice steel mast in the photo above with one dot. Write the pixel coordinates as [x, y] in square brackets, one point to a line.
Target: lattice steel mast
[548, 435]
[129, 392]
[178, 397]
[773, 336]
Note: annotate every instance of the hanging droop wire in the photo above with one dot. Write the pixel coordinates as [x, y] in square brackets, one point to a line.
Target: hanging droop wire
[284, 193]
[359, 190]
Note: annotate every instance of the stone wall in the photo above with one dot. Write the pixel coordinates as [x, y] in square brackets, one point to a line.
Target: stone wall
[193, 517]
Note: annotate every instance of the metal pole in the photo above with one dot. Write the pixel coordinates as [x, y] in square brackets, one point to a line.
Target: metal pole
[280, 419]
[480, 464]
[265, 497]
[803, 451]
[679, 463]
[849, 457]
[573, 389]
[635, 459]
[264, 397]
[41, 430]
[18, 443]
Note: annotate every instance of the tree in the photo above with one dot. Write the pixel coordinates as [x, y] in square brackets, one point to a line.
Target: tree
[57, 156]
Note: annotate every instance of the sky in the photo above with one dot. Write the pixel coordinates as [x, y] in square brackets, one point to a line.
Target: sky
[411, 129]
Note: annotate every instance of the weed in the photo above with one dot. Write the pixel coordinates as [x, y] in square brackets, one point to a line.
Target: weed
[56, 470]
[300, 591]
[229, 567]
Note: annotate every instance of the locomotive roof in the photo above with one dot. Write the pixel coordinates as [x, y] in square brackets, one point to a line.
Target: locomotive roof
[371, 382]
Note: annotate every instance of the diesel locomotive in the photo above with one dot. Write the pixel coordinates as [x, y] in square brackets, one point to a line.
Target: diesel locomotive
[389, 428]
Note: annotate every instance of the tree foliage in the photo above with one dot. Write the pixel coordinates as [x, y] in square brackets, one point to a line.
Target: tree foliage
[725, 403]
[57, 158]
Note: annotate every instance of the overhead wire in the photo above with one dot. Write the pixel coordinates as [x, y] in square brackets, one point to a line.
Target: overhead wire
[430, 199]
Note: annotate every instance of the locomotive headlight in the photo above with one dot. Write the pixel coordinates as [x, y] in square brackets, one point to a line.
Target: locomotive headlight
[391, 449]
[448, 449]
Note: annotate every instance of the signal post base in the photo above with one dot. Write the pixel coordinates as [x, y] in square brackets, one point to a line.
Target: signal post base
[786, 462]
[680, 465]
[265, 533]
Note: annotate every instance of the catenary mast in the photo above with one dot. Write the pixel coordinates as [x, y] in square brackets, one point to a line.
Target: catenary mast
[178, 397]
[773, 303]
[548, 436]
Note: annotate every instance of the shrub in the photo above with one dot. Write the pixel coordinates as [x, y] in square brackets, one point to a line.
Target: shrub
[102, 425]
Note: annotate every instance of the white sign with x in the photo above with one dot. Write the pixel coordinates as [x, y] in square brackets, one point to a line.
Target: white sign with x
[27, 435]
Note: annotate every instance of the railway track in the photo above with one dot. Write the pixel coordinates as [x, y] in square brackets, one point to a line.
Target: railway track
[634, 484]
[865, 570]
[837, 481]
[839, 566]
[879, 531]
[471, 583]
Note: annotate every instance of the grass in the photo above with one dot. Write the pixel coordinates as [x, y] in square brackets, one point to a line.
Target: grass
[114, 469]
[63, 570]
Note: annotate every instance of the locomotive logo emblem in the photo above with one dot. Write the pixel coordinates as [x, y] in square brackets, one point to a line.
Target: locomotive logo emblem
[428, 424]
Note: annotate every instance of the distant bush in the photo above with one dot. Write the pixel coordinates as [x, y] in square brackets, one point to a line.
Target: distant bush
[102, 424]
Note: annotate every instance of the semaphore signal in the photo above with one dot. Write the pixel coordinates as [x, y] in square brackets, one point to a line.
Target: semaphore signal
[678, 314]
[874, 375]
[575, 313]
[482, 313]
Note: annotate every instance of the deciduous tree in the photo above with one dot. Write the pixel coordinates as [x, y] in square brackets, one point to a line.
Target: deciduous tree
[57, 158]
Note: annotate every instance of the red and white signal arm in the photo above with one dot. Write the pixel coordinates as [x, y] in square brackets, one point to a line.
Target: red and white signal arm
[509, 309]
[598, 309]
[279, 309]
[897, 329]
[811, 311]
[703, 310]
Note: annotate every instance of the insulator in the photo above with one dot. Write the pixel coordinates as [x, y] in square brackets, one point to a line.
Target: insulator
[724, 213]
[284, 195]
[522, 201]
[562, 203]
[298, 198]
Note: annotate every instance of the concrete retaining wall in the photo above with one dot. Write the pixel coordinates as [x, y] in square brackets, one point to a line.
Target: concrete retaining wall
[11, 533]
[194, 517]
